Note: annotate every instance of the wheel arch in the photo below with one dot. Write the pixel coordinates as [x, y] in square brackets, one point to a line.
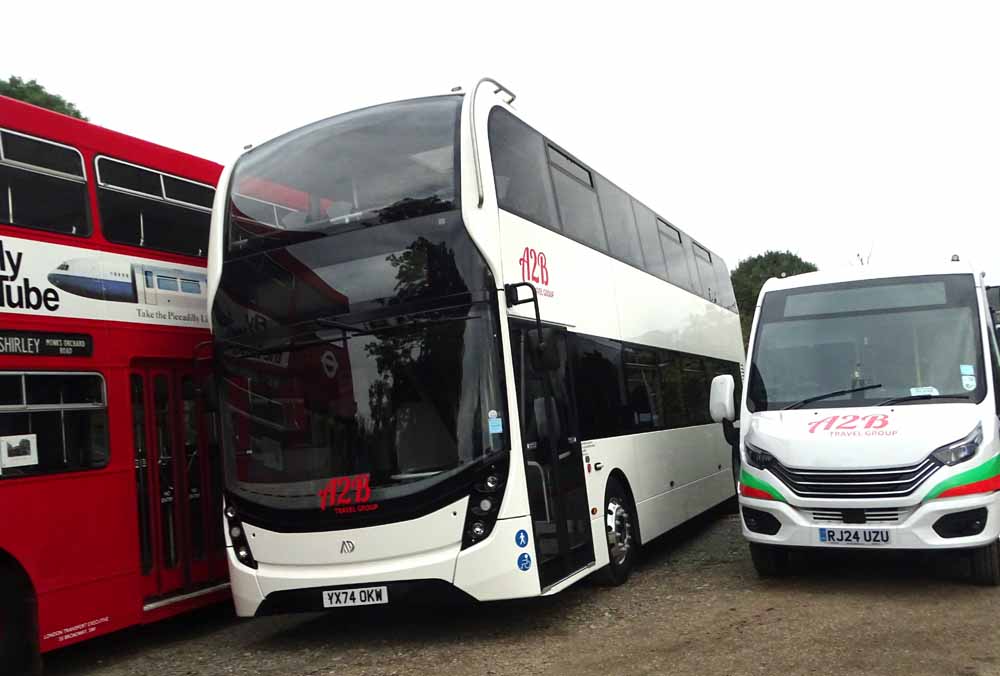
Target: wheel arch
[619, 474]
[13, 573]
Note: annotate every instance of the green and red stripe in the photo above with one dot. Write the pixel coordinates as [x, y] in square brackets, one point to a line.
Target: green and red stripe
[752, 487]
[984, 478]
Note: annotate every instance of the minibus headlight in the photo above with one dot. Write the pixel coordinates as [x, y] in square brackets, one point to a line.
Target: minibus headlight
[757, 457]
[961, 450]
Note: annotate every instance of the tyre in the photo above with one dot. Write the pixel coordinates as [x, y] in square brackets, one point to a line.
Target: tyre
[622, 533]
[985, 569]
[736, 470]
[18, 650]
[769, 560]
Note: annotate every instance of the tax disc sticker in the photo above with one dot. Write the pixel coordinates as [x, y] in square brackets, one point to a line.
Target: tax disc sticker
[967, 369]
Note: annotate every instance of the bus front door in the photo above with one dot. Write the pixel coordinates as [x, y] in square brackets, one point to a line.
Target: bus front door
[180, 548]
[553, 457]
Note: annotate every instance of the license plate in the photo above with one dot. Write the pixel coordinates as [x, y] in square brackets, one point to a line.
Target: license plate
[853, 536]
[359, 596]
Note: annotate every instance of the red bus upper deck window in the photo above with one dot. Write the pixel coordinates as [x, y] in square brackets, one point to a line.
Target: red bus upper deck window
[153, 210]
[42, 185]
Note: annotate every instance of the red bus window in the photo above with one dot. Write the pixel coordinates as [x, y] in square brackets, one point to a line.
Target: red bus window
[42, 185]
[52, 422]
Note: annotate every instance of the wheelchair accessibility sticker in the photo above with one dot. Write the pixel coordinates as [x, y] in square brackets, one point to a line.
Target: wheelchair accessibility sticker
[524, 561]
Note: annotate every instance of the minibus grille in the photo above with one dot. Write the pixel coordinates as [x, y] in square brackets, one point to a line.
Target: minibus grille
[891, 482]
[878, 515]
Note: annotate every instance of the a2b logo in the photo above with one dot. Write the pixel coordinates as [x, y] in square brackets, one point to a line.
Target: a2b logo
[534, 267]
[345, 490]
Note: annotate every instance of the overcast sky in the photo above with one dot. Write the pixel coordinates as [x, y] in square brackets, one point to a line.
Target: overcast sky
[829, 129]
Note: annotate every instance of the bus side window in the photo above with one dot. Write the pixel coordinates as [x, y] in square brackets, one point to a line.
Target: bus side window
[520, 170]
[52, 195]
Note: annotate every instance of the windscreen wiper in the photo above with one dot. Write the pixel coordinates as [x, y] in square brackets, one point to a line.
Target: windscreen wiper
[830, 395]
[918, 397]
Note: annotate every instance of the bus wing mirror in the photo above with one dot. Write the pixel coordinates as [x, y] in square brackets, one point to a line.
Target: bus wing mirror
[544, 350]
[721, 403]
[541, 417]
[547, 418]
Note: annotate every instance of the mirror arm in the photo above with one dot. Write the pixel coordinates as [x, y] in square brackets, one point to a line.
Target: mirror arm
[510, 293]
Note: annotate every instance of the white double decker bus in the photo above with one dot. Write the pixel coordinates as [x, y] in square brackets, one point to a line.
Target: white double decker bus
[454, 359]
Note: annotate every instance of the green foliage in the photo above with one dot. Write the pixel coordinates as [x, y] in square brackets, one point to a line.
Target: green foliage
[34, 93]
[751, 274]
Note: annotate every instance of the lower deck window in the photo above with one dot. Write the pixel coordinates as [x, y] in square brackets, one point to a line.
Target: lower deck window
[52, 422]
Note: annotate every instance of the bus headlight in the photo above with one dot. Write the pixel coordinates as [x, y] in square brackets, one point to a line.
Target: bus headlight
[485, 494]
[757, 457]
[238, 536]
[961, 450]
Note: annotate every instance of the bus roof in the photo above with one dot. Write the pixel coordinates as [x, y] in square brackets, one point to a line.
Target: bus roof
[854, 274]
[35, 121]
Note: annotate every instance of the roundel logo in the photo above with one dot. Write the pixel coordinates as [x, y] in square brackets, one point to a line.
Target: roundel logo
[329, 363]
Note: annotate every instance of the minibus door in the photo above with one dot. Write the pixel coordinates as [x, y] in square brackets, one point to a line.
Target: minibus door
[557, 488]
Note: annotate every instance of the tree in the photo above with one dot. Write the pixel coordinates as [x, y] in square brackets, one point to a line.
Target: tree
[34, 93]
[751, 274]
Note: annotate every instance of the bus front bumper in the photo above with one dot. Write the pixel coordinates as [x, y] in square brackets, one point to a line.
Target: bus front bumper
[810, 527]
[486, 571]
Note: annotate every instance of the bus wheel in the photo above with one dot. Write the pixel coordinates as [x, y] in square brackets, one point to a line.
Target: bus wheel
[620, 529]
[986, 565]
[17, 650]
[769, 560]
[736, 469]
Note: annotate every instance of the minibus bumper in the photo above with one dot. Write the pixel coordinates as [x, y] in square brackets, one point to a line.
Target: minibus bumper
[800, 527]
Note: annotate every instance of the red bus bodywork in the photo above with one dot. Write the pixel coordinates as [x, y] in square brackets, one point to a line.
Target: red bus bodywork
[141, 538]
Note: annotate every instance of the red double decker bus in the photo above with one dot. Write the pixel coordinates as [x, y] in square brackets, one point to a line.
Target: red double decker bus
[109, 489]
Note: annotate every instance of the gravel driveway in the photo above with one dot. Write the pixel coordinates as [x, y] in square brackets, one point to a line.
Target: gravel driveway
[694, 606]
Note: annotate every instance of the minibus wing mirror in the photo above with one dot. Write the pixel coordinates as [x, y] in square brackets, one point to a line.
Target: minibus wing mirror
[721, 403]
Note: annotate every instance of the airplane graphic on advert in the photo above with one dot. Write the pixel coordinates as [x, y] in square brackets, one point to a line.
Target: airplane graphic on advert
[126, 282]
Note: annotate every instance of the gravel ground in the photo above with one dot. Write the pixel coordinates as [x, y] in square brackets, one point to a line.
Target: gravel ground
[693, 606]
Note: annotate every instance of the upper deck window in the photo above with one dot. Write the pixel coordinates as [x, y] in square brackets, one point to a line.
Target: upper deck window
[385, 164]
[579, 210]
[705, 272]
[623, 236]
[520, 170]
[150, 209]
[42, 185]
[673, 253]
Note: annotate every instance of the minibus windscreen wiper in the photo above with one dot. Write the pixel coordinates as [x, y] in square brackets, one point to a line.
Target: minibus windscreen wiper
[829, 395]
[918, 397]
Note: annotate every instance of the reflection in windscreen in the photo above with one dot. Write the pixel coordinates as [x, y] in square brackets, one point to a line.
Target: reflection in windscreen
[402, 404]
[378, 165]
[885, 337]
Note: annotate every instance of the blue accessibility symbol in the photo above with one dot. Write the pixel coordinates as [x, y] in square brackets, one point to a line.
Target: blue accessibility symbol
[521, 538]
[524, 561]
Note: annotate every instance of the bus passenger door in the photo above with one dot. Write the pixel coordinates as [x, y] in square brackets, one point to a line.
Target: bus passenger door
[180, 539]
[557, 488]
